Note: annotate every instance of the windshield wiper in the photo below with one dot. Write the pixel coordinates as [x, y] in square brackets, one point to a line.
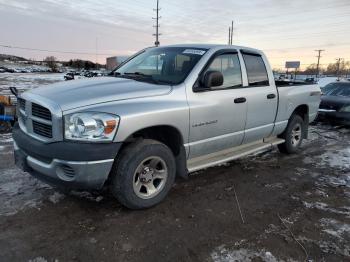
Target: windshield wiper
[136, 73]
[138, 76]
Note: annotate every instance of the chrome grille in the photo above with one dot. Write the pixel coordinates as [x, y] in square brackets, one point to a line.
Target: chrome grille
[41, 112]
[42, 129]
[41, 121]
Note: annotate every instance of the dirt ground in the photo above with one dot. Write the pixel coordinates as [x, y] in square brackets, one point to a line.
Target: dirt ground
[294, 208]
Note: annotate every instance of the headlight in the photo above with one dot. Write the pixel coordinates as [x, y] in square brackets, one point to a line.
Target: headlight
[345, 109]
[90, 126]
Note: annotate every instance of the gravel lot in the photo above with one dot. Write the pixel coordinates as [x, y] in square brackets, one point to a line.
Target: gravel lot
[293, 208]
[288, 204]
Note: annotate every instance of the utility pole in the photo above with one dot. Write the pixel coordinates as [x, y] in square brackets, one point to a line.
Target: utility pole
[96, 54]
[318, 62]
[229, 35]
[157, 34]
[338, 66]
[231, 32]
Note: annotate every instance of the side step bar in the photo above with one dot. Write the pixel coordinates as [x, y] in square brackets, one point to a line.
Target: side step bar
[224, 156]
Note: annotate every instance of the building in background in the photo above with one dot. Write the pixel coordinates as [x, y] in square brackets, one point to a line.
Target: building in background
[113, 62]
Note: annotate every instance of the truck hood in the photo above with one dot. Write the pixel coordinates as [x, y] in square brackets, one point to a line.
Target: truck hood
[77, 93]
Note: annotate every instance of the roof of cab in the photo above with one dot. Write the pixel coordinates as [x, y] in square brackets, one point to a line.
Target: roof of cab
[213, 46]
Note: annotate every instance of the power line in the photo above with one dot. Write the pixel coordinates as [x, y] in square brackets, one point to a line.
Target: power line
[318, 61]
[157, 34]
[51, 51]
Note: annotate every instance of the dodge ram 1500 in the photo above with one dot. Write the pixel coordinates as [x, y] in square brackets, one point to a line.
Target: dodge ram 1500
[165, 112]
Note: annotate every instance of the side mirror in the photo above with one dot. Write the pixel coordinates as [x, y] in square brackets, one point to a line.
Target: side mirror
[212, 79]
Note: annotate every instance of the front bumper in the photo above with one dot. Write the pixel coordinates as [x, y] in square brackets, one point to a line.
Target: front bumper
[70, 165]
[342, 118]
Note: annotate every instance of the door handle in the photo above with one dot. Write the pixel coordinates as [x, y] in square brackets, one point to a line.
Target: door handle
[271, 96]
[240, 100]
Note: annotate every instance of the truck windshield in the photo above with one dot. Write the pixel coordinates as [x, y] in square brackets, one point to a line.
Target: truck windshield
[161, 65]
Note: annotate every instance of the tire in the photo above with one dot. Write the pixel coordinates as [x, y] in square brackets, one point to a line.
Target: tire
[293, 135]
[141, 165]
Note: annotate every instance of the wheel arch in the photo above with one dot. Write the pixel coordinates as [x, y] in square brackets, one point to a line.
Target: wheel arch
[303, 112]
[168, 135]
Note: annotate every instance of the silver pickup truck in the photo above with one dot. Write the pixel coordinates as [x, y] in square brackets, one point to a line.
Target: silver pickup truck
[165, 112]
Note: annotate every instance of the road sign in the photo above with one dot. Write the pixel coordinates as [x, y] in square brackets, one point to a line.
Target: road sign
[293, 64]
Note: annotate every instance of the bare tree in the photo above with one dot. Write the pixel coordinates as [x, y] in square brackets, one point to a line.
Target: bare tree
[51, 62]
[311, 70]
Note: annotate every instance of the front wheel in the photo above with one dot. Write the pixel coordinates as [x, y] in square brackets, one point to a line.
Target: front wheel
[293, 135]
[143, 175]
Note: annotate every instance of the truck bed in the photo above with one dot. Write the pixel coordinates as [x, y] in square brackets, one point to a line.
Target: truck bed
[280, 83]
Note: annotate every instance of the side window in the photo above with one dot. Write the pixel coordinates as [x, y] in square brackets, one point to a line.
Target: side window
[256, 70]
[229, 66]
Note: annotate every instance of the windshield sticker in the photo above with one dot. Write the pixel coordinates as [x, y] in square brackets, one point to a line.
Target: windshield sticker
[194, 52]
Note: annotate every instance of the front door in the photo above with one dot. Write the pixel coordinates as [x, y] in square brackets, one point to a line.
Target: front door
[218, 116]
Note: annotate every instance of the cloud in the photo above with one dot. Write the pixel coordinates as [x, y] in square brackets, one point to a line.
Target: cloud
[125, 26]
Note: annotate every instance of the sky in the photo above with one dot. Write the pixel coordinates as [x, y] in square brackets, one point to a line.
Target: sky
[286, 30]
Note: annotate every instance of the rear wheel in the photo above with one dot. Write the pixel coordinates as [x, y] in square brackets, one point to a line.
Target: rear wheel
[293, 135]
[143, 174]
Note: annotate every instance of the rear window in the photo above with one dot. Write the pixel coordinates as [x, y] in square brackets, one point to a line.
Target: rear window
[256, 70]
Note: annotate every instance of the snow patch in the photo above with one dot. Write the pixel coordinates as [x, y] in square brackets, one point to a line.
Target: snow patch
[325, 207]
[221, 254]
[335, 181]
[336, 159]
[56, 197]
[87, 195]
[335, 228]
[38, 259]
[18, 191]
[275, 185]
[6, 138]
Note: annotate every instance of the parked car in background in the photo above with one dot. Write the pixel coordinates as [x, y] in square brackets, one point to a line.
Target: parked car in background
[335, 103]
[69, 76]
[167, 111]
[322, 82]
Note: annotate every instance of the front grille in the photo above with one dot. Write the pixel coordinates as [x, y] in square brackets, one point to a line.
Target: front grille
[36, 120]
[41, 112]
[42, 129]
[22, 103]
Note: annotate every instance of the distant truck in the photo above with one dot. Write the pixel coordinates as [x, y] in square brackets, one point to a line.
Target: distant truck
[167, 111]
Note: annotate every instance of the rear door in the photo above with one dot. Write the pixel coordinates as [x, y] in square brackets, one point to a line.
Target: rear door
[262, 97]
[217, 118]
